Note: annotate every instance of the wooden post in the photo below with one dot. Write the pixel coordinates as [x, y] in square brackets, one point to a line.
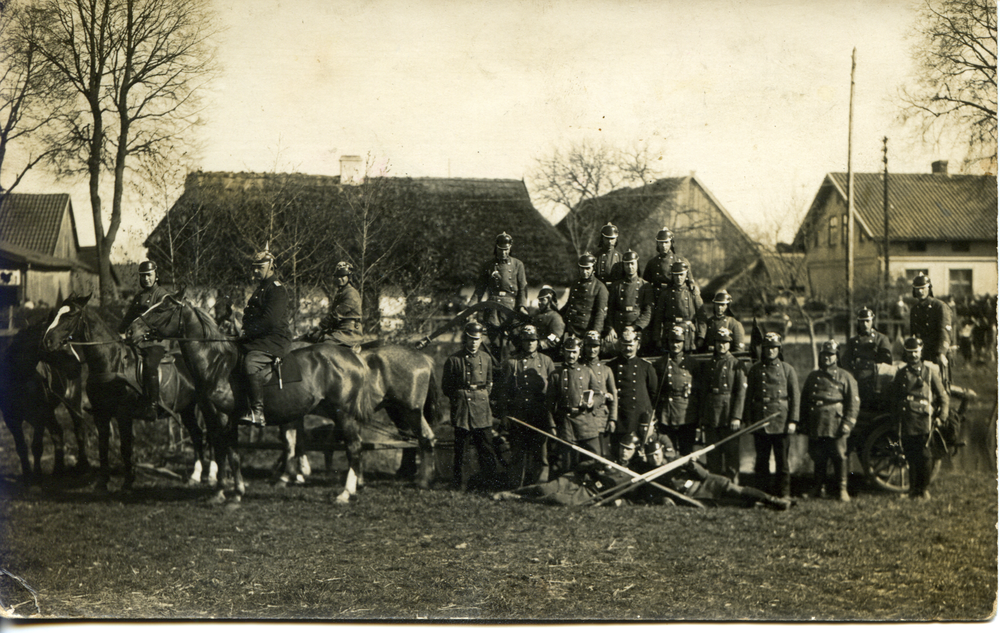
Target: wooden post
[885, 214]
[850, 207]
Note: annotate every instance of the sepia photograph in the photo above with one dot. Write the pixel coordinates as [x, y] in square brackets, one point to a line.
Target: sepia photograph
[530, 312]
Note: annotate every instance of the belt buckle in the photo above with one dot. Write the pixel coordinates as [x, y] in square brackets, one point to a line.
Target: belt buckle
[502, 293]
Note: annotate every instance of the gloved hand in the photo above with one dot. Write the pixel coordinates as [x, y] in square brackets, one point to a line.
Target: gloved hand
[792, 428]
[734, 425]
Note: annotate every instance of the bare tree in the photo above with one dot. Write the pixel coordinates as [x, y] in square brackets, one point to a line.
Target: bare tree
[957, 74]
[570, 178]
[136, 67]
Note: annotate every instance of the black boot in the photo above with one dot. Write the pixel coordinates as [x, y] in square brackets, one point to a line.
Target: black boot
[151, 390]
[256, 384]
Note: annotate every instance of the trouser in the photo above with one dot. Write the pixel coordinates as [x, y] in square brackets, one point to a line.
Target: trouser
[764, 444]
[682, 437]
[918, 457]
[529, 457]
[824, 451]
[724, 460]
[256, 364]
[482, 440]
[151, 356]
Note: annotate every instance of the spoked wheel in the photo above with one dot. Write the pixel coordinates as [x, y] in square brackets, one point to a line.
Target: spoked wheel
[884, 460]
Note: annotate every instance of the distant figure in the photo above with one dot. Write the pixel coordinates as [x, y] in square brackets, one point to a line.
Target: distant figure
[930, 321]
[609, 261]
[717, 315]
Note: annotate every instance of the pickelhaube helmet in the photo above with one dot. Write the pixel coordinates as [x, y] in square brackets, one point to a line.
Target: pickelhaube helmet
[473, 330]
[630, 256]
[343, 269]
[547, 291]
[528, 333]
[921, 281]
[586, 260]
[679, 267]
[504, 240]
[609, 230]
[723, 334]
[263, 257]
[772, 339]
[913, 343]
[571, 343]
[831, 347]
[677, 333]
[147, 267]
[664, 235]
[592, 339]
[722, 297]
[865, 313]
[653, 452]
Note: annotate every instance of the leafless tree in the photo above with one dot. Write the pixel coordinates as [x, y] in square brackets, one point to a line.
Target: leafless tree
[136, 67]
[956, 88]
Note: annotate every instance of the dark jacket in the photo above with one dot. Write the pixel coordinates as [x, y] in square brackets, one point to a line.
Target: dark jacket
[266, 326]
[829, 400]
[586, 307]
[772, 386]
[918, 396]
[636, 381]
[522, 386]
[675, 391]
[609, 266]
[930, 320]
[142, 301]
[630, 302]
[722, 390]
[468, 382]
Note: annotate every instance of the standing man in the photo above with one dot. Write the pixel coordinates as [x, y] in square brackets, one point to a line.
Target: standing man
[587, 305]
[467, 383]
[919, 401]
[522, 388]
[605, 410]
[149, 294]
[717, 315]
[830, 409]
[674, 418]
[630, 303]
[548, 323]
[572, 394]
[266, 332]
[657, 270]
[608, 267]
[861, 355]
[930, 321]
[342, 325]
[773, 387]
[723, 387]
[504, 278]
[635, 379]
[677, 306]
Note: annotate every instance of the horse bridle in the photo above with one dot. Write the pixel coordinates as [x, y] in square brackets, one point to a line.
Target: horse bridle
[153, 330]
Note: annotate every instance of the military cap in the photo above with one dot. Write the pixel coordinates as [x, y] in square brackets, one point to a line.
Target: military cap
[653, 451]
[630, 256]
[592, 339]
[263, 257]
[678, 267]
[772, 339]
[504, 240]
[609, 230]
[921, 281]
[473, 330]
[586, 260]
[547, 291]
[913, 343]
[664, 235]
[865, 313]
[343, 269]
[629, 335]
[677, 333]
[629, 441]
[529, 333]
[723, 334]
[831, 347]
[722, 297]
[147, 267]
[571, 343]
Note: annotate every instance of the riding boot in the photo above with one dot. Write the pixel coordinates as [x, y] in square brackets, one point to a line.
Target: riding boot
[256, 384]
[785, 485]
[840, 472]
[151, 390]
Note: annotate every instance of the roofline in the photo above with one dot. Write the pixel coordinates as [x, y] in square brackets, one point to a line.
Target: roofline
[843, 194]
[28, 256]
[725, 212]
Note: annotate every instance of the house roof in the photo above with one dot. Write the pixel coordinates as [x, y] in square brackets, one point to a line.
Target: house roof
[20, 255]
[33, 220]
[927, 207]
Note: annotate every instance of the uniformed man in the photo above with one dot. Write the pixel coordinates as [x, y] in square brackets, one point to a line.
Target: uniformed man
[919, 401]
[571, 398]
[677, 305]
[657, 270]
[630, 303]
[266, 332]
[930, 321]
[342, 324]
[722, 387]
[503, 276]
[608, 267]
[522, 386]
[467, 382]
[587, 305]
[672, 415]
[605, 409]
[772, 387]
[150, 293]
[830, 407]
[548, 323]
[713, 316]
[635, 379]
[861, 355]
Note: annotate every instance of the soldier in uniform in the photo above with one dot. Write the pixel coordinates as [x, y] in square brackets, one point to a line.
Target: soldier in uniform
[677, 305]
[504, 278]
[605, 410]
[722, 388]
[635, 379]
[717, 315]
[674, 418]
[571, 397]
[772, 387]
[266, 332]
[657, 270]
[918, 399]
[608, 267]
[860, 356]
[149, 294]
[930, 321]
[830, 407]
[549, 323]
[467, 382]
[630, 303]
[587, 305]
[342, 325]
[522, 386]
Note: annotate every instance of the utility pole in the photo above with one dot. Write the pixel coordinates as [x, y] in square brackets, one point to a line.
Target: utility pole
[885, 213]
[850, 206]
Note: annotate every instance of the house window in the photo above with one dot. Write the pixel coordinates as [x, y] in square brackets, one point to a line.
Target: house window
[960, 283]
[960, 247]
[916, 247]
[834, 230]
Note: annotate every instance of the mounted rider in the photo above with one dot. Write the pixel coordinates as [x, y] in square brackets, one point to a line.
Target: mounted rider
[149, 294]
[266, 332]
[342, 324]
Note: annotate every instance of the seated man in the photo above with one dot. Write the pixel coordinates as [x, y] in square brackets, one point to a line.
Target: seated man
[342, 325]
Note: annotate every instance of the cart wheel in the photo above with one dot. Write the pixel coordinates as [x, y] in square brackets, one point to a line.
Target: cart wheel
[884, 461]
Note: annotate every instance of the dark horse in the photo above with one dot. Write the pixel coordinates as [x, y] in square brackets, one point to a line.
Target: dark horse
[334, 384]
[33, 385]
[112, 382]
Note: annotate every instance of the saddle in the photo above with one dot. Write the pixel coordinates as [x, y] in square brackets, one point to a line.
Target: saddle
[283, 370]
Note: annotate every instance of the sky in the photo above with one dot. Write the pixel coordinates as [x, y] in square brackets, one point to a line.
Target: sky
[751, 95]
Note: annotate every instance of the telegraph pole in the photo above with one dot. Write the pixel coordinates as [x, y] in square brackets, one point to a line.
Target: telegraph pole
[885, 211]
[850, 206]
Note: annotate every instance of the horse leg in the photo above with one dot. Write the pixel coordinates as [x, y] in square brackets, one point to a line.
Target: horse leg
[286, 462]
[302, 467]
[103, 422]
[80, 432]
[218, 438]
[189, 418]
[58, 438]
[352, 441]
[126, 438]
[20, 444]
[239, 486]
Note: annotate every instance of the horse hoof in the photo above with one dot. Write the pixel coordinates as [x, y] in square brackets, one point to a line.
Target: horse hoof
[281, 483]
[217, 499]
[212, 482]
[193, 482]
[342, 500]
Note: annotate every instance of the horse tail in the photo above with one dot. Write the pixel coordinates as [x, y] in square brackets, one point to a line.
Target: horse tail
[432, 404]
[362, 406]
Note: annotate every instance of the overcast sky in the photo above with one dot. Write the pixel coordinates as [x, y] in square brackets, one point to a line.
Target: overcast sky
[752, 95]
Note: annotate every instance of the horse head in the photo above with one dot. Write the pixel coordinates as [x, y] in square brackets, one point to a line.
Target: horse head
[160, 320]
[67, 323]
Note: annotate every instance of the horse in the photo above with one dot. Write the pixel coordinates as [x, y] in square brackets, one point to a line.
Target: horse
[334, 385]
[113, 383]
[32, 387]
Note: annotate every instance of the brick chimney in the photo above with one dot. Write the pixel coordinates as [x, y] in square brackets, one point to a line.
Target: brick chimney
[351, 170]
[940, 167]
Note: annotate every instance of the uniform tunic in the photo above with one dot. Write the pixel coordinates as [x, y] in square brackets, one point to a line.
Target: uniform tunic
[860, 356]
[604, 408]
[630, 302]
[676, 387]
[467, 382]
[565, 398]
[830, 400]
[550, 328]
[772, 386]
[657, 270]
[505, 281]
[522, 387]
[723, 389]
[930, 320]
[586, 307]
[915, 393]
[142, 301]
[265, 320]
[708, 324]
[609, 266]
[676, 305]
[344, 317]
[635, 379]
